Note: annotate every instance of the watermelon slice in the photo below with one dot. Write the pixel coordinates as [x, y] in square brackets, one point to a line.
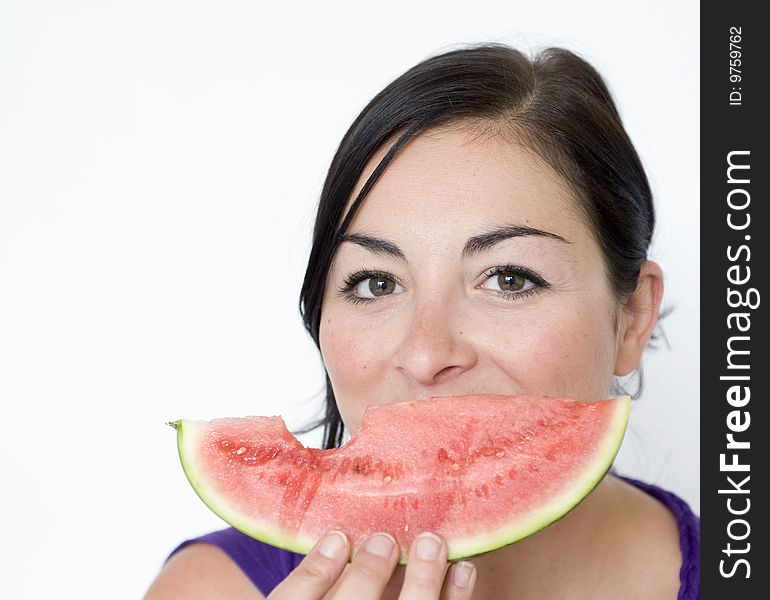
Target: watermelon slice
[481, 471]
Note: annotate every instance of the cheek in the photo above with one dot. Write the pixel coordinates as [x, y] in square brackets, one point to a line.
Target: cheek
[564, 352]
[351, 360]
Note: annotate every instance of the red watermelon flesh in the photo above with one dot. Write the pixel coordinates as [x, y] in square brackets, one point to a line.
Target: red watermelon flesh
[481, 471]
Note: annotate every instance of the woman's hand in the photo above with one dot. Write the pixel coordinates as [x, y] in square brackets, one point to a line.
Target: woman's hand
[322, 573]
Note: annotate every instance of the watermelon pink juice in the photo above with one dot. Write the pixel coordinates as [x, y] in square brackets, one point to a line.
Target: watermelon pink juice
[481, 471]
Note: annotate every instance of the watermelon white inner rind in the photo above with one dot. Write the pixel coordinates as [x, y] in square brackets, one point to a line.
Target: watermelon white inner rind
[287, 495]
[560, 504]
[189, 441]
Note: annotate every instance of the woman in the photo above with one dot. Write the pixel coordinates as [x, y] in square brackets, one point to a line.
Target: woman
[483, 228]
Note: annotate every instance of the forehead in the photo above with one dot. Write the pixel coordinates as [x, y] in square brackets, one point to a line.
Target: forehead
[455, 176]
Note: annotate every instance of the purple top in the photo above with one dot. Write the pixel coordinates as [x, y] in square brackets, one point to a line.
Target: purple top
[266, 566]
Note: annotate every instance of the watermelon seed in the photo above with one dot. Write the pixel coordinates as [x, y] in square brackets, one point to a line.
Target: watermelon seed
[387, 479]
[240, 450]
[455, 467]
[500, 453]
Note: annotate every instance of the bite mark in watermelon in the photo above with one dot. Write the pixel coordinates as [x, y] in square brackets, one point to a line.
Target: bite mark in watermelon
[481, 471]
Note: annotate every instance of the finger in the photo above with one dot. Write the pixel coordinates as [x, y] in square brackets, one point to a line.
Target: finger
[459, 582]
[426, 569]
[317, 572]
[371, 569]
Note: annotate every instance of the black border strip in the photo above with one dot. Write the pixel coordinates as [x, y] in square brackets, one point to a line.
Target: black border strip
[734, 358]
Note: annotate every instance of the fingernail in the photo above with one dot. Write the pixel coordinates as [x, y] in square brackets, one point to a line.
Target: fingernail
[462, 573]
[380, 545]
[333, 544]
[428, 546]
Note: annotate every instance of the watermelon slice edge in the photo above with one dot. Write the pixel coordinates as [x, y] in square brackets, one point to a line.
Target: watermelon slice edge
[495, 470]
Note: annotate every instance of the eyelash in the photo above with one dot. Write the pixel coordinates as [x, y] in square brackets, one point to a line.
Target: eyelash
[355, 278]
[538, 282]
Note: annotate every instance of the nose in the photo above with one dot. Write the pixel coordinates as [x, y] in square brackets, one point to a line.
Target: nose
[435, 349]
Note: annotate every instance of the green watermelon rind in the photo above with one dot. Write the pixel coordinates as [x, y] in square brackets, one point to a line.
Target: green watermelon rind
[459, 548]
[261, 530]
[559, 506]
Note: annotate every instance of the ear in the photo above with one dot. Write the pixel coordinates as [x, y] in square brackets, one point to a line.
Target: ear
[640, 314]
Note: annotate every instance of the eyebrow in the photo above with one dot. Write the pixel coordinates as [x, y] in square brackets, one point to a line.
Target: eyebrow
[485, 241]
[474, 245]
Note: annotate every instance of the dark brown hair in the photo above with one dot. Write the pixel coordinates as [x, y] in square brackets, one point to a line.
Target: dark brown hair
[555, 104]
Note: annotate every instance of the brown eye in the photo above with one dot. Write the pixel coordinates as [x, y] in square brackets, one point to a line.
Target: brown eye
[510, 282]
[366, 285]
[380, 286]
[513, 283]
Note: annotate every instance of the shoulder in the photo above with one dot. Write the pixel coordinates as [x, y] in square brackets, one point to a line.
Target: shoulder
[202, 571]
[651, 542]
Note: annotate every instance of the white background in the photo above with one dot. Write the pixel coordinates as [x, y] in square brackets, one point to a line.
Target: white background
[160, 163]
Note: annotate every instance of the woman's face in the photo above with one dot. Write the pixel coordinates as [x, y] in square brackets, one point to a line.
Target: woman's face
[467, 270]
